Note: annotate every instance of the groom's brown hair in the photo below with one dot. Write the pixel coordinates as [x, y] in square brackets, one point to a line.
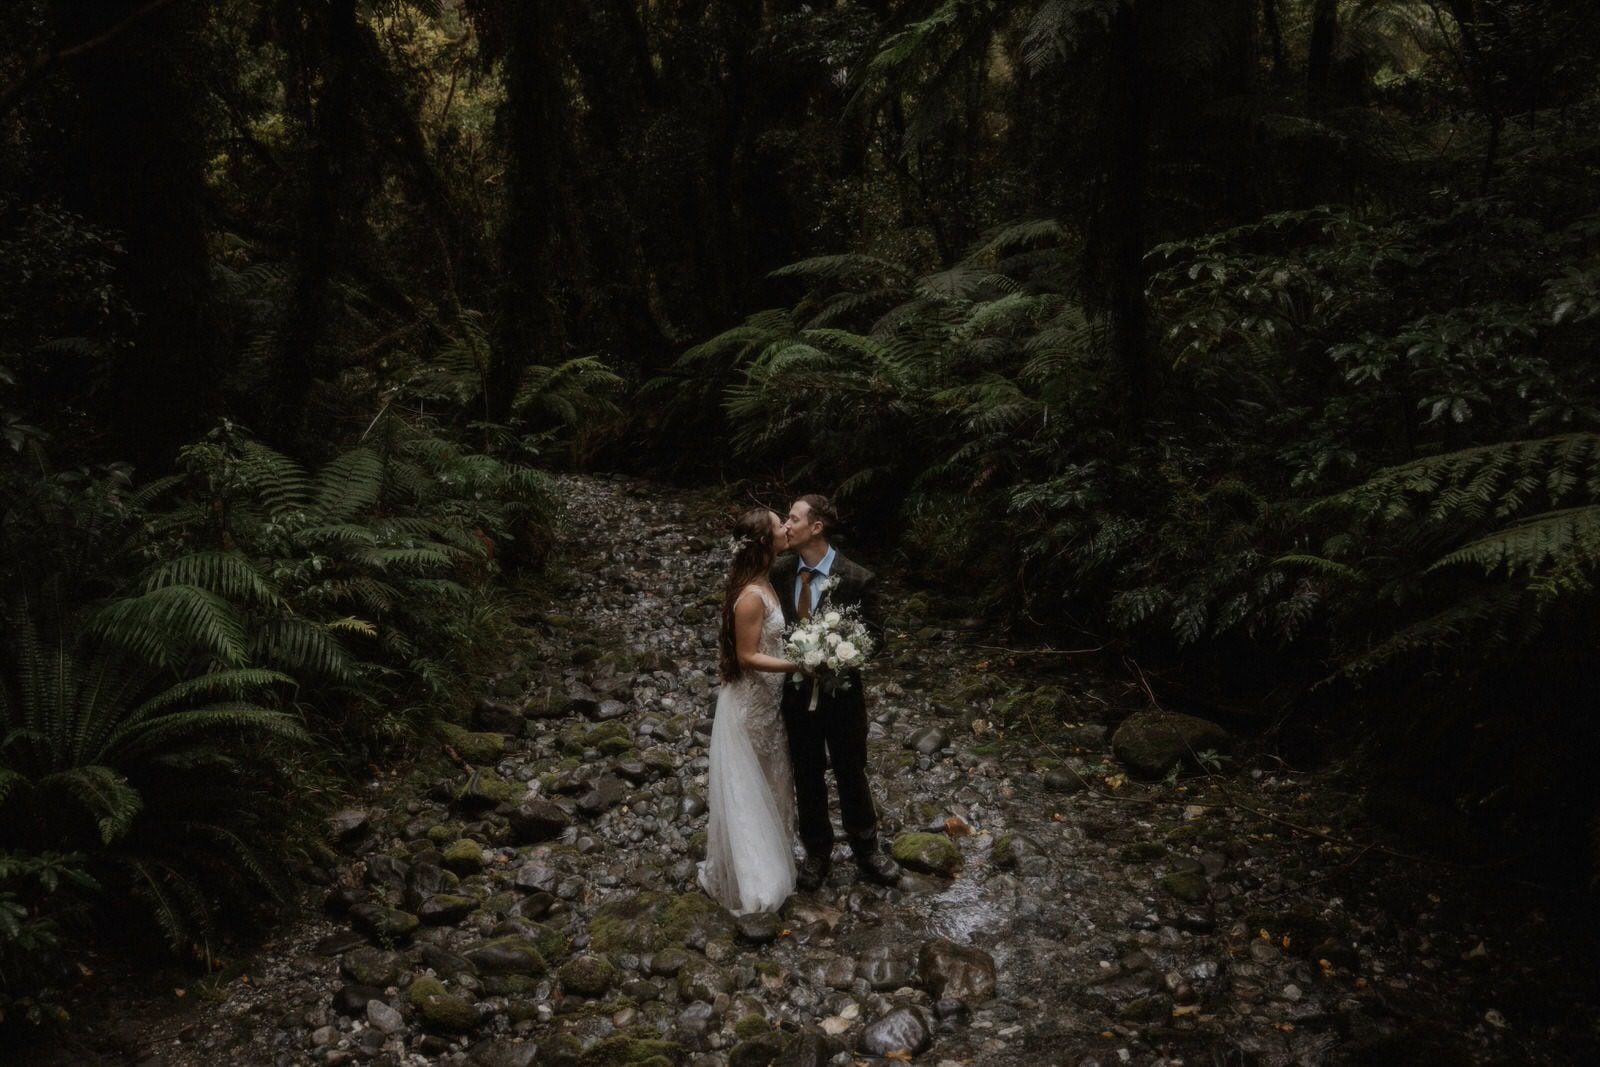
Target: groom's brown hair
[823, 511]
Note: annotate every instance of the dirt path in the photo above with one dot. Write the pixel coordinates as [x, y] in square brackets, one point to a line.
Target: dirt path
[542, 908]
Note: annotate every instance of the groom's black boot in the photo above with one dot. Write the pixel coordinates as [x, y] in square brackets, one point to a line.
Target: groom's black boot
[814, 870]
[871, 861]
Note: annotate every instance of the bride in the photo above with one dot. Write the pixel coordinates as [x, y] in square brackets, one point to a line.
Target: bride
[749, 864]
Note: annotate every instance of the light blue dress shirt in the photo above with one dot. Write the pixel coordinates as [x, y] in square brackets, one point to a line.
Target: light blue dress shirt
[823, 568]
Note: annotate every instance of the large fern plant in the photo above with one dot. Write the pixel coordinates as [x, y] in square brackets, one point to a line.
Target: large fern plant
[157, 774]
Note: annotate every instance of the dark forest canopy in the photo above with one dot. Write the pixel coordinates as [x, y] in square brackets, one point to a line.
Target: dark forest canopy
[1256, 337]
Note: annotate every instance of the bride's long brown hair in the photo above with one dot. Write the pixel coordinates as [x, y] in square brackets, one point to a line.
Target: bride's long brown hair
[751, 538]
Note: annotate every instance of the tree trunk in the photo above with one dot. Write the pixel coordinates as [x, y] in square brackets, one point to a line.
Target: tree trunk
[1127, 191]
[528, 325]
[317, 238]
[1319, 52]
[132, 156]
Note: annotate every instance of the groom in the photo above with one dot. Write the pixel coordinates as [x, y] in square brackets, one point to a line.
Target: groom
[814, 576]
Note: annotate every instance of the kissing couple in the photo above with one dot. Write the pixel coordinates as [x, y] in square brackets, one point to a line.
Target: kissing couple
[772, 742]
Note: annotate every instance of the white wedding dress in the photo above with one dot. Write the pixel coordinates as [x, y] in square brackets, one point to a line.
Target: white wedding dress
[749, 864]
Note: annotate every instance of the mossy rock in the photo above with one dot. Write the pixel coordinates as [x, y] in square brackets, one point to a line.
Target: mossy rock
[485, 789]
[372, 966]
[933, 853]
[440, 833]
[500, 903]
[625, 1051]
[1146, 1010]
[1151, 743]
[1187, 885]
[587, 975]
[700, 979]
[648, 922]
[751, 1026]
[439, 1009]
[512, 954]
[474, 747]
[758, 1051]
[660, 761]
[1003, 852]
[611, 738]
[1042, 705]
[464, 856]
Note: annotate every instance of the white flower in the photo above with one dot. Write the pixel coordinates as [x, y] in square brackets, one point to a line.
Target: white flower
[832, 618]
[846, 650]
[813, 658]
[833, 639]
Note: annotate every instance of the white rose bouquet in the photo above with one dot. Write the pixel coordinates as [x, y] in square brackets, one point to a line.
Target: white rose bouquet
[828, 646]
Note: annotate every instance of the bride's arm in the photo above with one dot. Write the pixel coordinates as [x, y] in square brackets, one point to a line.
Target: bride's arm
[749, 613]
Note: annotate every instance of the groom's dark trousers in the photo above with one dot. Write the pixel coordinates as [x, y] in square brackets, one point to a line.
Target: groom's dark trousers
[837, 731]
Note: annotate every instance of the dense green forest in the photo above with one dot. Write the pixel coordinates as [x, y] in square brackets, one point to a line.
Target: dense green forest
[1254, 339]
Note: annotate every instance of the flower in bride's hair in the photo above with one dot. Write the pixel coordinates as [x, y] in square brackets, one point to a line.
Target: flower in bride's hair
[736, 544]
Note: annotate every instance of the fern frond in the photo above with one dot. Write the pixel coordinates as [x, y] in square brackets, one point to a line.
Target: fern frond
[1539, 541]
[227, 574]
[349, 486]
[302, 645]
[100, 792]
[167, 623]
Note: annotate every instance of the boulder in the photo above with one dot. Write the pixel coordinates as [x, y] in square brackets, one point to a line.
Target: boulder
[1152, 743]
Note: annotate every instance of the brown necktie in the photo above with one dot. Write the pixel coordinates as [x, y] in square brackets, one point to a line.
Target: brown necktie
[802, 610]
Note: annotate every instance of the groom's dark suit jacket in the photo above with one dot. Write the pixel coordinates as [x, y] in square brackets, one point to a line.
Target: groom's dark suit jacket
[836, 732]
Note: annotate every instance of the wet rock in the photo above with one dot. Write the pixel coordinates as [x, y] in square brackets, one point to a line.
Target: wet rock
[927, 741]
[533, 906]
[347, 824]
[904, 1030]
[1066, 779]
[352, 999]
[387, 872]
[1151, 743]
[537, 878]
[881, 969]
[368, 966]
[759, 928]
[608, 710]
[700, 979]
[607, 793]
[383, 1017]
[505, 1052]
[959, 972]
[697, 1018]
[932, 853]
[1015, 852]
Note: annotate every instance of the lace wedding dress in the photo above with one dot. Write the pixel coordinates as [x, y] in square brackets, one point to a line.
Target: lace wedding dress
[749, 864]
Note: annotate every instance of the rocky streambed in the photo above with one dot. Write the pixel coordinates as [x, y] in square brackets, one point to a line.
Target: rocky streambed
[533, 901]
